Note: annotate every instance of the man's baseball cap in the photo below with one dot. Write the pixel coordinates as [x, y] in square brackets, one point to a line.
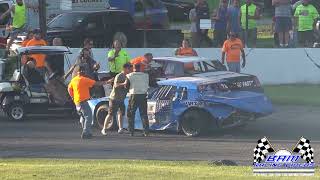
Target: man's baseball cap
[127, 65]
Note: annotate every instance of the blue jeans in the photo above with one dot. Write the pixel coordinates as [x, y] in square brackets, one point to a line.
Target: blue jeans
[234, 66]
[85, 117]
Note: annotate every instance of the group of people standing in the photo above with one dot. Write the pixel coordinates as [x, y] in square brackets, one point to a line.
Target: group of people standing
[240, 20]
[290, 16]
[128, 76]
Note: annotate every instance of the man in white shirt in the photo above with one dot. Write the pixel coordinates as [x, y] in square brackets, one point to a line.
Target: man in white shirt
[138, 83]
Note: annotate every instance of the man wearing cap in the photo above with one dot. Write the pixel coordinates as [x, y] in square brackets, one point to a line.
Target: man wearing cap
[233, 47]
[144, 61]
[79, 90]
[138, 83]
[116, 99]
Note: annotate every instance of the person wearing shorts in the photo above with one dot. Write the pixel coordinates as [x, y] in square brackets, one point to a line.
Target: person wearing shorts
[283, 22]
[117, 96]
[306, 15]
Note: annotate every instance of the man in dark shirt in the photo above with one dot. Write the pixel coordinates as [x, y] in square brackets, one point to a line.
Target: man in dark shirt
[89, 65]
[220, 26]
[117, 96]
[32, 75]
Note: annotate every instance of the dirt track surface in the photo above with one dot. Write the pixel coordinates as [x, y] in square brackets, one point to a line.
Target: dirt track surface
[56, 137]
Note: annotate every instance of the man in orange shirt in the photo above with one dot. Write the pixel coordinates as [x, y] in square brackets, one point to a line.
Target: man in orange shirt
[186, 49]
[38, 41]
[233, 47]
[79, 90]
[28, 38]
[144, 61]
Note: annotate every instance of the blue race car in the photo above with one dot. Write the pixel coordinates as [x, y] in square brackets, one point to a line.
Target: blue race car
[198, 104]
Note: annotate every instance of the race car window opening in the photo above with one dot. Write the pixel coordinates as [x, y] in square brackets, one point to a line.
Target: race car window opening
[3, 8]
[209, 67]
[182, 93]
[164, 93]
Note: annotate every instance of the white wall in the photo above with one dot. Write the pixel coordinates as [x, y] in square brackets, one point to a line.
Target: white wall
[272, 66]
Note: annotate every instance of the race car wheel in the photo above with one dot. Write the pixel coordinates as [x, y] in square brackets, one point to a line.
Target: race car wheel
[101, 115]
[16, 112]
[194, 122]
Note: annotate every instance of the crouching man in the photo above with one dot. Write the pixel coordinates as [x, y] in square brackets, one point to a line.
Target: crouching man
[79, 90]
[117, 96]
[138, 83]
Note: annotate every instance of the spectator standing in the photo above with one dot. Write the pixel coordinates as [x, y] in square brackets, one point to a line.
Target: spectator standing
[202, 11]
[249, 16]
[117, 57]
[116, 99]
[306, 15]
[220, 26]
[57, 42]
[88, 44]
[79, 90]
[233, 47]
[193, 29]
[144, 61]
[19, 19]
[138, 83]
[90, 66]
[39, 58]
[186, 49]
[233, 16]
[283, 24]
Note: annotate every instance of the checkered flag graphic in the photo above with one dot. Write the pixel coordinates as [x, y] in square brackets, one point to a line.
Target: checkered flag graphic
[304, 148]
[263, 147]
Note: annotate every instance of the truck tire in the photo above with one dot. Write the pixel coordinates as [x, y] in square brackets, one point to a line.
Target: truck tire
[16, 112]
[195, 122]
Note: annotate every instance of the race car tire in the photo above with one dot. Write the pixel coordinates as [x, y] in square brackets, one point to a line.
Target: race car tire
[16, 112]
[195, 122]
[101, 115]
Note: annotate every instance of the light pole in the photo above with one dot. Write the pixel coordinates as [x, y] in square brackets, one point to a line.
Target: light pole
[43, 18]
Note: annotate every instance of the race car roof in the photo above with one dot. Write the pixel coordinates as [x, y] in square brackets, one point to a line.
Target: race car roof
[188, 82]
[182, 59]
[43, 50]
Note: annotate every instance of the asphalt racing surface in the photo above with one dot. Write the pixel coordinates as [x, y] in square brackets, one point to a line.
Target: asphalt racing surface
[59, 137]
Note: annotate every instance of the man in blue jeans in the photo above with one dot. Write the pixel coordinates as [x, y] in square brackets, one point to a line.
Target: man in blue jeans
[79, 90]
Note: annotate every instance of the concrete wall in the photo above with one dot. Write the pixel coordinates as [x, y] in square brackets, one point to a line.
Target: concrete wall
[272, 66]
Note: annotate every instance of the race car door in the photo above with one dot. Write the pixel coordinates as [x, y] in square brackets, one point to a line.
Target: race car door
[160, 107]
[4, 33]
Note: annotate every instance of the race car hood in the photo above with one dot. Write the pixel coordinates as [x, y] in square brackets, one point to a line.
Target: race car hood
[244, 100]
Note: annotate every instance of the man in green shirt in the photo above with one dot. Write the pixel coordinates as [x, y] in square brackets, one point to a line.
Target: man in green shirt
[117, 57]
[18, 19]
[306, 15]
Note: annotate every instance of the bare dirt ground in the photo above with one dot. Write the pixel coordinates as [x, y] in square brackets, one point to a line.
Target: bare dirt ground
[56, 137]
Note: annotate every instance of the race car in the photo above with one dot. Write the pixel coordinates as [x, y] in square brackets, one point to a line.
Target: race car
[195, 105]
